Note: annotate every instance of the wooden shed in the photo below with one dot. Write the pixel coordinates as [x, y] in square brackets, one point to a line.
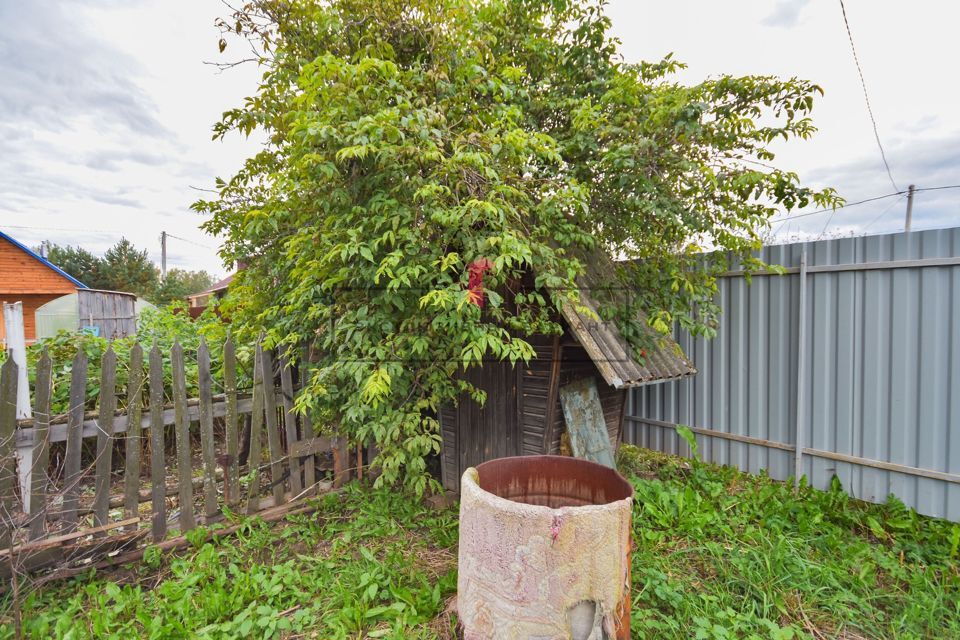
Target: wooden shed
[523, 413]
[28, 277]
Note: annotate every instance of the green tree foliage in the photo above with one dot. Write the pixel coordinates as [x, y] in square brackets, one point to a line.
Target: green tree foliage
[78, 262]
[181, 283]
[407, 139]
[125, 268]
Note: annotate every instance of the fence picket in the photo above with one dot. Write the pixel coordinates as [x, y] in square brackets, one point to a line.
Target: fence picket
[182, 432]
[134, 443]
[256, 427]
[8, 463]
[232, 470]
[71, 465]
[309, 473]
[273, 428]
[206, 431]
[41, 455]
[158, 524]
[290, 426]
[108, 403]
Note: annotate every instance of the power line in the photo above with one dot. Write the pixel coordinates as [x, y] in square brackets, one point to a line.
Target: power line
[866, 97]
[858, 202]
[883, 213]
[843, 206]
[202, 246]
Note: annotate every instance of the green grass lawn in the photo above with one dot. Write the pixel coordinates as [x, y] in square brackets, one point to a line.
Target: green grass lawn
[719, 554]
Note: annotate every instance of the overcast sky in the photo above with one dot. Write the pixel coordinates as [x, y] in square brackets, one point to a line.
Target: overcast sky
[106, 108]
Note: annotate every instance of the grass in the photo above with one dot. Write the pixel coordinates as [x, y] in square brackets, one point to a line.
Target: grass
[718, 554]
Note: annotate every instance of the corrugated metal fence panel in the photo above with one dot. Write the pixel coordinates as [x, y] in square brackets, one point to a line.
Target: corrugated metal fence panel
[882, 375]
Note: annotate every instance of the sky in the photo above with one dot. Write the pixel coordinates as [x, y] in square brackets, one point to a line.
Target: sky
[106, 109]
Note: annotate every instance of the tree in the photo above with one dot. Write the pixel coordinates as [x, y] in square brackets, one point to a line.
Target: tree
[181, 283]
[78, 262]
[408, 140]
[126, 269]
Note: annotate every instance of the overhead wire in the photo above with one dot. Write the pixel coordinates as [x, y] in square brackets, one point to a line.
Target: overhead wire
[864, 201]
[866, 96]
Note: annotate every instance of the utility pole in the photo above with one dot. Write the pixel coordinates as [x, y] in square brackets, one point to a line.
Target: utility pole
[909, 221]
[163, 256]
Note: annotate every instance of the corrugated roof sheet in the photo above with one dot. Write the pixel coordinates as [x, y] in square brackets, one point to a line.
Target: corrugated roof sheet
[602, 340]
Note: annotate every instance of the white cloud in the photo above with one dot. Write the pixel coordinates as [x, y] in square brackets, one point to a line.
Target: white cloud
[106, 107]
[786, 14]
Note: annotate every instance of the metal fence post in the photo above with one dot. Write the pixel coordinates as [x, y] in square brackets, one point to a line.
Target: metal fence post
[801, 370]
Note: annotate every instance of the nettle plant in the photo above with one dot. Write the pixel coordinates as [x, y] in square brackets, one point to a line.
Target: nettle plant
[406, 140]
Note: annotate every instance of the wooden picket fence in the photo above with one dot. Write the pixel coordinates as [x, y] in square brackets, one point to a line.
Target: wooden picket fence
[48, 521]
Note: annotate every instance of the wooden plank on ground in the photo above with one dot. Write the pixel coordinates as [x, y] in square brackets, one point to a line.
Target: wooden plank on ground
[273, 428]
[71, 465]
[232, 470]
[134, 444]
[290, 427]
[182, 433]
[108, 405]
[41, 453]
[206, 431]
[158, 523]
[256, 428]
[309, 464]
[8, 463]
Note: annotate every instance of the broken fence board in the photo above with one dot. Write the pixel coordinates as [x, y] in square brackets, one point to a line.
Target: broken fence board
[256, 429]
[273, 428]
[133, 443]
[182, 434]
[108, 401]
[309, 463]
[8, 470]
[230, 417]
[158, 521]
[73, 436]
[39, 482]
[206, 431]
[290, 427]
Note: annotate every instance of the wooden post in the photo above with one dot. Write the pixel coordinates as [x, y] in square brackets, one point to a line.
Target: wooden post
[206, 432]
[256, 426]
[17, 348]
[134, 444]
[341, 461]
[108, 403]
[273, 429]
[41, 456]
[8, 425]
[182, 431]
[232, 473]
[71, 465]
[290, 427]
[158, 523]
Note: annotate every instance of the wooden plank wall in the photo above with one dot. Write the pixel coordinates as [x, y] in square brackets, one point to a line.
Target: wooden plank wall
[113, 312]
[126, 507]
[523, 414]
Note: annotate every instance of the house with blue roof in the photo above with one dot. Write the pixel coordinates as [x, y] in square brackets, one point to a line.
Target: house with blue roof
[28, 277]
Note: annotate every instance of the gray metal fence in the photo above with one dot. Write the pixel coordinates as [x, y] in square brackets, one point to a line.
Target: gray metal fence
[858, 343]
